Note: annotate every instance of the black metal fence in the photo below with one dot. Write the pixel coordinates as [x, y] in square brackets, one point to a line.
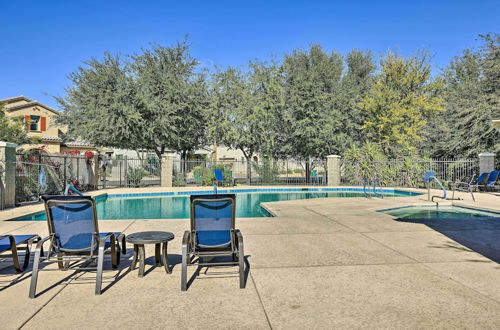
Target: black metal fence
[38, 174]
[408, 172]
[263, 172]
[49, 174]
[129, 172]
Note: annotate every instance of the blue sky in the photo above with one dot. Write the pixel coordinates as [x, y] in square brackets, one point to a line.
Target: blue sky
[41, 42]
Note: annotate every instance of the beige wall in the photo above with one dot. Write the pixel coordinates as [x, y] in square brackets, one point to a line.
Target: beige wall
[51, 147]
[37, 110]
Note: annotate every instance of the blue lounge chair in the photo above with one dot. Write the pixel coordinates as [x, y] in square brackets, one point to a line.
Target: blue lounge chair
[11, 243]
[75, 241]
[467, 185]
[474, 185]
[491, 181]
[212, 235]
[219, 177]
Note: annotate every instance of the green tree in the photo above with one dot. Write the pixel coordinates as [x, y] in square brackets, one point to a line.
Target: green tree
[155, 100]
[172, 98]
[399, 102]
[13, 130]
[245, 109]
[354, 85]
[100, 105]
[313, 121]
[471, 83]
[311, 79]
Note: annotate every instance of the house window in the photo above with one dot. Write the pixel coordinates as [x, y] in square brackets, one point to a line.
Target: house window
[34, 123]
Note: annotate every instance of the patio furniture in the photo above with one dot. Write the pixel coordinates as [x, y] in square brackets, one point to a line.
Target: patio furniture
[74, 239]
[150, 237]
[11, 243]
[479, 181]
[491, 181]
[466, 185]
[212, 236]
[219, 177]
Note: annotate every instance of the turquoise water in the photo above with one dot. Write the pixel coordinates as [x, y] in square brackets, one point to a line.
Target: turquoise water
[442, 212]
[177, 206]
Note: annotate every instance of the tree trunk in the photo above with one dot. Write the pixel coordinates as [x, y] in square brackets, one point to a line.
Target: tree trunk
[248, 157]
[184, 161]
[249, 169]
[159, 152]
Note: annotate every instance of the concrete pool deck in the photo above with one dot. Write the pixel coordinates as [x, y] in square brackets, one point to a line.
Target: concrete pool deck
[320, 263]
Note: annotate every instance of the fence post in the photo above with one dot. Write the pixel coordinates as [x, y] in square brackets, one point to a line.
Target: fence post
[333, 168]
[166, 170]
[65, 161]
[125, 170]
[96, 173]
[7, 174]
[486, 162]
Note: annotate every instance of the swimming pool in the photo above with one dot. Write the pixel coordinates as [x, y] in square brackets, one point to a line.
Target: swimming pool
[175, 205]
[441, 212]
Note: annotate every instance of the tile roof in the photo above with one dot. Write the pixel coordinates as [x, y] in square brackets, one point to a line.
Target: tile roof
[77, 144]
[51, 138]
[30, 104]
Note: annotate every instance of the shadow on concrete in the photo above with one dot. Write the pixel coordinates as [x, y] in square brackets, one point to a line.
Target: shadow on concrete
[219, 271]
[481, 235]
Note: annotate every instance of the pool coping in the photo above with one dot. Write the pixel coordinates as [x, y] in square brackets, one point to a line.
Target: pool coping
[384, 211]
[26, 210]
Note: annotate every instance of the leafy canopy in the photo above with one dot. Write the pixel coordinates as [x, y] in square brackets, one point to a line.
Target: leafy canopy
[155, 101]
[399, 102]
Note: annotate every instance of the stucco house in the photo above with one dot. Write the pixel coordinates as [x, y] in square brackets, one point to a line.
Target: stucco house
[39, 119]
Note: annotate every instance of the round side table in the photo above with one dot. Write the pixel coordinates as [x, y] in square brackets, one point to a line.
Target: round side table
[150, 237]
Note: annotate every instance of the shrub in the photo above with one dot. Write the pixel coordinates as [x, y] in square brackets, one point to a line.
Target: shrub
[134, 176]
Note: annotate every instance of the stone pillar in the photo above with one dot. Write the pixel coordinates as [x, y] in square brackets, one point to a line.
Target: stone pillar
[333, 170]
[7, 174]
[496, 123]
[486, 162]
[167, 168]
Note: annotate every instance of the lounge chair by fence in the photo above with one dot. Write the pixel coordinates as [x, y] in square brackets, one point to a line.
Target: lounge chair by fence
[491, 181]
[221, 181]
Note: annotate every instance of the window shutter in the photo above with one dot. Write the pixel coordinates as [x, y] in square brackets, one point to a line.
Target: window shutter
[43, 124]
[27, 119]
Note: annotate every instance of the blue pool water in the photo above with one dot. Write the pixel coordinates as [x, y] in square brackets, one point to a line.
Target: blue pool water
[441, 212]
[176, 205]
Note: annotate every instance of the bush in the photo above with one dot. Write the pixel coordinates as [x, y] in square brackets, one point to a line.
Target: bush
[268, 171]
[205, 175]
[134, 176]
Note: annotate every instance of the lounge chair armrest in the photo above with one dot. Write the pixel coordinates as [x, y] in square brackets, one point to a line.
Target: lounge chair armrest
[186, 238]
[39, 244]
[121, 236]
[239, 237]
[102, 240]
[6, 236]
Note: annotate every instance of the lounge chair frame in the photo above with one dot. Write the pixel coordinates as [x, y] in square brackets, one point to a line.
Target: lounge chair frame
[195, 255]
[76, 259]
[224, 182]
[465, 187]
[14, 249]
